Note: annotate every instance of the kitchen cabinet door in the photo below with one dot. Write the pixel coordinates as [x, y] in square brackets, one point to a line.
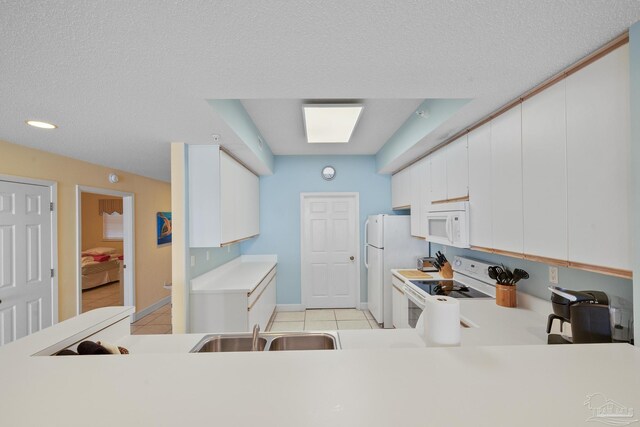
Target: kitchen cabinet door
[457, 169]
[544, 173]
[418, 182]
[506, 181]
[480, 219]
[598, 163]
[425, 196]
[230, 177]
[439, 175]
[401, 189]
[224, 198]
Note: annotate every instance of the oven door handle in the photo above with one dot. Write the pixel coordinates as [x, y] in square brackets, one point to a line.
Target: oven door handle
[414, 296]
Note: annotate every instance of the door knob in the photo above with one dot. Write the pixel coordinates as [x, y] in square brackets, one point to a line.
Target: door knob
[352, 258]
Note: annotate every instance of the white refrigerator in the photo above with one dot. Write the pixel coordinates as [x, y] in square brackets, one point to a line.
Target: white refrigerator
[388, 244]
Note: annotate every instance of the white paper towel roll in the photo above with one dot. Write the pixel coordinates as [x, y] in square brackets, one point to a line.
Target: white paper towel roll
[442, 321]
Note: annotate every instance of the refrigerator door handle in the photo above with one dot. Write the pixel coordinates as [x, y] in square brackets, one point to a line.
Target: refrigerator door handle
[366, 256]
[366, 232]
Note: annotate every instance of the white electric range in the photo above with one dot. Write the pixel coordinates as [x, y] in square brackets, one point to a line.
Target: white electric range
[470, 280]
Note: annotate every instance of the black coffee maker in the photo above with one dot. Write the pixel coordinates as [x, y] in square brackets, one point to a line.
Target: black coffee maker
[594, 316]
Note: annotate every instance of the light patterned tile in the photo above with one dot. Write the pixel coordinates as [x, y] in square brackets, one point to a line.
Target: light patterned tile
[152, 329]
[353, 324]
[287, 327]
[320, 325]
[146, 319]
[319, 315]
[349, 314]
[289, 316]
[162, 319]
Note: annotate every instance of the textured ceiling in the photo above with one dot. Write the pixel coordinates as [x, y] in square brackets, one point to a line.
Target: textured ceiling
[123, 79]
[280, 122]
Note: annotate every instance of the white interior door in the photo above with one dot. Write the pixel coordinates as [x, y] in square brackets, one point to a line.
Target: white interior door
[26, 285]
[329, 245]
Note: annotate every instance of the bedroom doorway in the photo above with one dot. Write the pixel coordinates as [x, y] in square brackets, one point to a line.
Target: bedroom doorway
[105, 248]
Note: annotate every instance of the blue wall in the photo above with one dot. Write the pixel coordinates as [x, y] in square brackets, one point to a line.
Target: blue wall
[217, 257]
[538, 281]
[280, 209]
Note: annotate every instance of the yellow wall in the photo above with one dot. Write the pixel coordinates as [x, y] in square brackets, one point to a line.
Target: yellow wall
[152, 263]
[92, 224]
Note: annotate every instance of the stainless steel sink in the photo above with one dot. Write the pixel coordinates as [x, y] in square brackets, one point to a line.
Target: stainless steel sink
[221, 343]
[303, 342]
[267, 342]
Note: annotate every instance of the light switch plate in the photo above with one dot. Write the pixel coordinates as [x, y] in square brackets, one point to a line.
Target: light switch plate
[553, 275]
[208, 255]
[193, 260]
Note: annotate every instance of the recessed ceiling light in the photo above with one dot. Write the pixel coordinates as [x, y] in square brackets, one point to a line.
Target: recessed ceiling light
[41, 125]
[330, 123]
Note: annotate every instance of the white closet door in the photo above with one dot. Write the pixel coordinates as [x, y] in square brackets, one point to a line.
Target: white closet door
[480, 187]
[544, 173]
[598, 148]
[506, 181]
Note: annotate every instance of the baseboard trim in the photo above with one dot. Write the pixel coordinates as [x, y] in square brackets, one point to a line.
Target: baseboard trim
[290, 307]
[153, 307]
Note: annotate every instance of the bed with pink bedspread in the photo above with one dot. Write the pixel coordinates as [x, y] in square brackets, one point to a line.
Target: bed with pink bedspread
[100, 266]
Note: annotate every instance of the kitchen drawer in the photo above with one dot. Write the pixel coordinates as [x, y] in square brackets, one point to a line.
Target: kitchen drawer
[254, 295]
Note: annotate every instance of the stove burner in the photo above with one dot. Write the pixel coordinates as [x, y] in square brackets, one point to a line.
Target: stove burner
[449, 288]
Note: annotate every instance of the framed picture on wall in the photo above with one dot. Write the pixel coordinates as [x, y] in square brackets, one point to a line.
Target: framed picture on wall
[163, 228]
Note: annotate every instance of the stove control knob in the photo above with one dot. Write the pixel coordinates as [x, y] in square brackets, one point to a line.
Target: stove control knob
[458, 263]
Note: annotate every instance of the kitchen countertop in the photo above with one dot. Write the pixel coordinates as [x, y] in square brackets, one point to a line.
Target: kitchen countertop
[496, 325]
[242, 274]
[523, 385]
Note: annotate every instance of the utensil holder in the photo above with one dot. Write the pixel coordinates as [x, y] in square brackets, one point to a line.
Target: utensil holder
[446, 271]
[506, 295]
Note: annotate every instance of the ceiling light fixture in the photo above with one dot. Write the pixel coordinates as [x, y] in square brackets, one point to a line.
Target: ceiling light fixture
[41, 125]
[330, 123]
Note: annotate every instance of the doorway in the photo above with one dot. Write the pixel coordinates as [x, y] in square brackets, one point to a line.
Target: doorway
[28, 257]
[105, 248]
[330, 261]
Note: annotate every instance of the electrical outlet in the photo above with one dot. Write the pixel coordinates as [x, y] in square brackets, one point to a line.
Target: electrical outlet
[228, 249]
[193, 260]
[444, 250]
[208, 254]
[553, 275]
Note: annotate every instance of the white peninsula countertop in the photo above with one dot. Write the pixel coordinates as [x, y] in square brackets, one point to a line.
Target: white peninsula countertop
[463, 386]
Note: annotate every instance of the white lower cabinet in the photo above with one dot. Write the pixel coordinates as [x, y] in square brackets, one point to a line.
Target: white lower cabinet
[399, 302]
[231, 310]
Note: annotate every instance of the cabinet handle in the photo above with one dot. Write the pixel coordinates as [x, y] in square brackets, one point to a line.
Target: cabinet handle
[352, 258]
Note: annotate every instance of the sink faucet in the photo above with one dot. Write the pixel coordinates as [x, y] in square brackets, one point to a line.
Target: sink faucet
[254, 342]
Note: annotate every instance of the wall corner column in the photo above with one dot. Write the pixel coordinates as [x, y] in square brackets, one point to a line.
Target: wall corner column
[634, 64]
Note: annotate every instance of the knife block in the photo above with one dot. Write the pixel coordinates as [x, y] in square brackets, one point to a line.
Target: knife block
[446, 271]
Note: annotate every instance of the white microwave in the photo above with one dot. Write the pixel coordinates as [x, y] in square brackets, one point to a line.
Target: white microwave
[448, 224]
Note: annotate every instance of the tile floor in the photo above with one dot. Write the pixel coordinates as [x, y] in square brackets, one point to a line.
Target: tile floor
[322, 319]
[156, 322]
[102, 296]
[159, 321]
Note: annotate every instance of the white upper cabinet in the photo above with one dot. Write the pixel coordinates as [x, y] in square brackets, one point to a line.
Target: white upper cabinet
[420, 190]
[457, 169]
[598, 148]
[506, 181]
[401, 189]
[224, 198]
[439, 175]
[544, 173]
[479, 142]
